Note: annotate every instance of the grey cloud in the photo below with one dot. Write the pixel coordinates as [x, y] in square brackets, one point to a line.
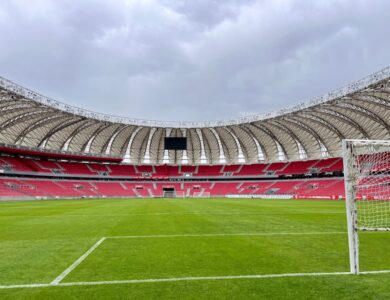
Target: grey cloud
[191, 60]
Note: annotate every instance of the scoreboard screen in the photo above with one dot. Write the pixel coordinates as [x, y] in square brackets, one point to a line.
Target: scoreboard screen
[175, 143]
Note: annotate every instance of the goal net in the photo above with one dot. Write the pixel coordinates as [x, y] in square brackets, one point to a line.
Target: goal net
[367, 188]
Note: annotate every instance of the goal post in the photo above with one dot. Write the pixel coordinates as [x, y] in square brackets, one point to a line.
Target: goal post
[367, 190]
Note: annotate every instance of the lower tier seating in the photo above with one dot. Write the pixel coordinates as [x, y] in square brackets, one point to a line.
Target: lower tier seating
[11, 187]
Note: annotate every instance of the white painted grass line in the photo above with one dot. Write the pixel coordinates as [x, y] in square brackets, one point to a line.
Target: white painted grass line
[375, 272]
[57, 280]
[183, 214]
[24, 286]
[222, 234]
[202, 278]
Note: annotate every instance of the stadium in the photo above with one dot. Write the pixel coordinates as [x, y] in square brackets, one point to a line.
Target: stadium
[220, 170]
[272, 199]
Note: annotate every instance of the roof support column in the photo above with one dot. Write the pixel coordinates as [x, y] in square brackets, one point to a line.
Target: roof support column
[203, 159]
[147, 151]
[127, 157]
[184, 160]
[222, 157]
[241, 157]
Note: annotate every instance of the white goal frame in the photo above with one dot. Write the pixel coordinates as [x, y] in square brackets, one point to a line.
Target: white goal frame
[351, 150]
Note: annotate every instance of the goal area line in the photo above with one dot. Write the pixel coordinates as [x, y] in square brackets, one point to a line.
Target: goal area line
[77, 262]
[222, 234]
[57, 282]
[177, 279]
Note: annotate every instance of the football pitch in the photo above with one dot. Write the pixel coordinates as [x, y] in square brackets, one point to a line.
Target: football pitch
[186, 249]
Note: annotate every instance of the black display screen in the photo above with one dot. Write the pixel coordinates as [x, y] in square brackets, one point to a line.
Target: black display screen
[175, 143]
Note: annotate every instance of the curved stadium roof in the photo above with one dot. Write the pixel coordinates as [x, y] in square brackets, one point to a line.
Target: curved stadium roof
[310, 130]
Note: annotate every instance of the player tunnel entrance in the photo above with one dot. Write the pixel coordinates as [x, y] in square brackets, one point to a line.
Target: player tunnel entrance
[169, 192]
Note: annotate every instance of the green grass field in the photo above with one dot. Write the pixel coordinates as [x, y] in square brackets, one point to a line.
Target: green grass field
[176, 239]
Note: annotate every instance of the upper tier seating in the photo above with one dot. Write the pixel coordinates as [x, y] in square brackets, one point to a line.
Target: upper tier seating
[167, 171]
[251, 170]
[188, 169]
[297, 167]
[145, 169]
[48, 166]
[230, 169]
[123, 170]
[76, 168]
[329, 165]
[206, 171]
[18, 164]
[276, 167]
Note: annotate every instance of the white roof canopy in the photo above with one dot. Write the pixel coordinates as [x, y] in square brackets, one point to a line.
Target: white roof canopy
[310, 130]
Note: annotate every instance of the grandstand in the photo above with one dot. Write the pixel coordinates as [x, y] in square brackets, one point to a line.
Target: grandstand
[51, 150]
[53, 179]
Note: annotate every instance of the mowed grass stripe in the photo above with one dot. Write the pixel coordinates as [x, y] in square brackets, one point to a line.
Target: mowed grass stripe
[35, 249]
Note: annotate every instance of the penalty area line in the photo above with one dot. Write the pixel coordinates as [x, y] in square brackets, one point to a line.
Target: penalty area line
[60, 277]
[203, 278]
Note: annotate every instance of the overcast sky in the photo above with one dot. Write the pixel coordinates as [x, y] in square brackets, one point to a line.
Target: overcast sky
[190, 60]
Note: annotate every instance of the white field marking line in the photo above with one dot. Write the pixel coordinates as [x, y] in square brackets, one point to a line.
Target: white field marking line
[173, 213]
[222, 234]
[375, 272]
[77, 262]
[204, 278]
